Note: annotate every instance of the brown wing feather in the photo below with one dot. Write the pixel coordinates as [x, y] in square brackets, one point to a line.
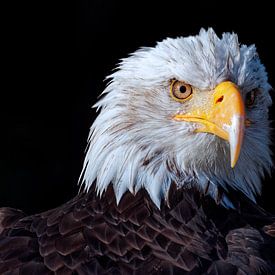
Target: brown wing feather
[8, 216]
[270, 229]
[89, 235]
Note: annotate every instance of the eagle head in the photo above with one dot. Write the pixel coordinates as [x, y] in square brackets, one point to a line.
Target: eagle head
[191, 111]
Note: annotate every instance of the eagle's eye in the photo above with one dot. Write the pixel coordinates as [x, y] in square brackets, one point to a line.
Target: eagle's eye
[251, 97]
[180, 91]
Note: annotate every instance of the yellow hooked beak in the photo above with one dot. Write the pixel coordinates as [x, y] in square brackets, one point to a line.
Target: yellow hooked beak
[223, 116]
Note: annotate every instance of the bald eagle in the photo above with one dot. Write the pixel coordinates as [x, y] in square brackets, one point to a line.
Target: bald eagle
[171, 175]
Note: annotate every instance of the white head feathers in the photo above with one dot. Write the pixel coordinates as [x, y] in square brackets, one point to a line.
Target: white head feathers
[135, 144]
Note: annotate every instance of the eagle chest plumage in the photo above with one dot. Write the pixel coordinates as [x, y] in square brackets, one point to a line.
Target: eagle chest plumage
[89, 235]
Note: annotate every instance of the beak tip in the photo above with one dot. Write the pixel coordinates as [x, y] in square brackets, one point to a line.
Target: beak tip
[233, 163]
[234, 157]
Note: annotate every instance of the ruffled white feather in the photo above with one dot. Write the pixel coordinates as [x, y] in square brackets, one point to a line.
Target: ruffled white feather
[135, 144]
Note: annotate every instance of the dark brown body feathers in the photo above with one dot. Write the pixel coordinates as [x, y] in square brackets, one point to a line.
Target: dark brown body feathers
[88, 235]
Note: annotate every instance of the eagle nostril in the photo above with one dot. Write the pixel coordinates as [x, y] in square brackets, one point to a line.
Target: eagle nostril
[220, 99]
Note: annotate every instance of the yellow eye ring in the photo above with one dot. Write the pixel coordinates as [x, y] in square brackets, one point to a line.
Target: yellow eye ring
[180, 91]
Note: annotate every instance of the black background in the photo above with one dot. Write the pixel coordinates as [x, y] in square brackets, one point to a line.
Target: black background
[53, 69]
